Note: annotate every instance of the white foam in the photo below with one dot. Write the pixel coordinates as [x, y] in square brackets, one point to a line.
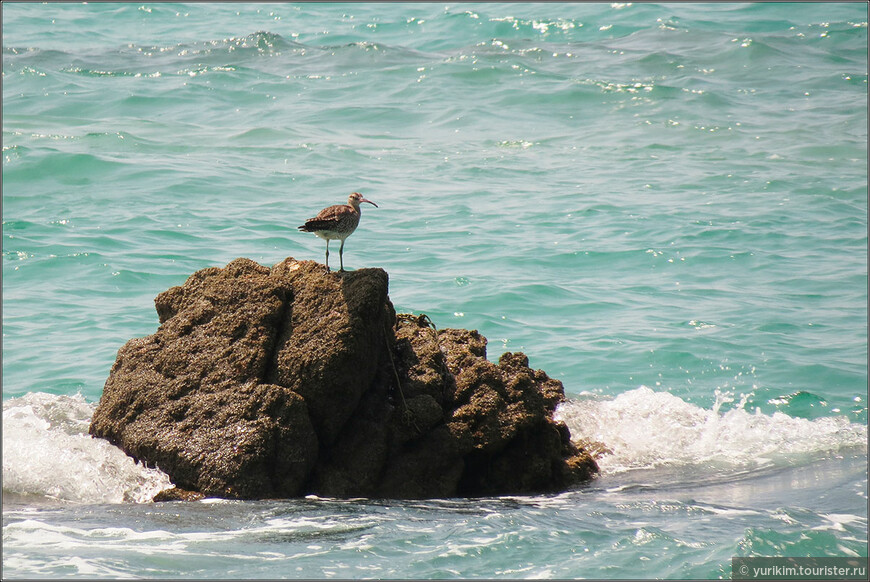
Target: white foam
[645, 429]
[48, 452]
[838, 521]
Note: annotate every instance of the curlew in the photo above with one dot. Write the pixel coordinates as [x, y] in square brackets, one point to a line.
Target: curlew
[337, 223]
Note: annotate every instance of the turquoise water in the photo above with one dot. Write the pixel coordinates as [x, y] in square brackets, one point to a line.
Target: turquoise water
[663, 205]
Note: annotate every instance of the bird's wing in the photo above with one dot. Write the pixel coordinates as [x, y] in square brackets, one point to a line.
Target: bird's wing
[326, 218]
[331, 213]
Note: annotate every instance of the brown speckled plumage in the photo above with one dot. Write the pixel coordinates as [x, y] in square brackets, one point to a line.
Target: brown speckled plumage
[337, 223]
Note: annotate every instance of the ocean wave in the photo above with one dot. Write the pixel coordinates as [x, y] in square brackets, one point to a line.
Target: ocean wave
[645, 429]
[47, 452]
[249, 55]
[66, 168]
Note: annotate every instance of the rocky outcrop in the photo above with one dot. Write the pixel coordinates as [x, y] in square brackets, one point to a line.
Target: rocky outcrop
[281, 382]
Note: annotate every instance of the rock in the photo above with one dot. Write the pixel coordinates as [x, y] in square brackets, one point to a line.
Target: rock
[330, 344]
[193, 398]
[291, 381]
[176, 494]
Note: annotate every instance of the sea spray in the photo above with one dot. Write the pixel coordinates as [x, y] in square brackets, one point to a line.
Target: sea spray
[644, 429]
[48, 452]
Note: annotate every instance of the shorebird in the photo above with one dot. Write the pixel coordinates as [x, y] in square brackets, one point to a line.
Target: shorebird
[337, 222]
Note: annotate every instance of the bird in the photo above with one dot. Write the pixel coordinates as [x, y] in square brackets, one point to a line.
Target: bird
[337, 223]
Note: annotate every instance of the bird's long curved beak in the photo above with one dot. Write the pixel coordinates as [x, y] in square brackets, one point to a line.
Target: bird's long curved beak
[369, 201]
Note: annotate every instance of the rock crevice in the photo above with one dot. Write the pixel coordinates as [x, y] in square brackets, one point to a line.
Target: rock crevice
[282, 382]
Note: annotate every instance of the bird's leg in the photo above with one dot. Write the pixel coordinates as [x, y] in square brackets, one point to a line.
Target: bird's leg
[327, 255]
[341, 255]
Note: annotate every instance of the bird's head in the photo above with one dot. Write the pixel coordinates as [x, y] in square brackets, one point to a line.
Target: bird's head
[355, 198]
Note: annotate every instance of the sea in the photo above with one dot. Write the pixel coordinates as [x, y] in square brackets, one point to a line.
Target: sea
[663, 205]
